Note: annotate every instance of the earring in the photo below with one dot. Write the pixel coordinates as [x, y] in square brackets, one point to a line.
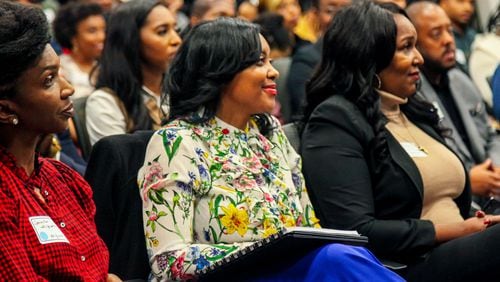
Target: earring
[378, 84]
[15, 121]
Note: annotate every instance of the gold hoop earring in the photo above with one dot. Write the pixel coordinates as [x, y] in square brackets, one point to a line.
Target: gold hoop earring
[378, 84]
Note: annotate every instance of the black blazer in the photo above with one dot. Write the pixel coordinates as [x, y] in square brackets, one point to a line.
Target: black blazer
[351, 189]
[112, 174]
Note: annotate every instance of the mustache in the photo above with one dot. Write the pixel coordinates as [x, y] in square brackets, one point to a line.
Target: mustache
[449, 48]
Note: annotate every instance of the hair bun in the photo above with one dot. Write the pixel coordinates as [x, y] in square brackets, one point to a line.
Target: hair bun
[24, 34]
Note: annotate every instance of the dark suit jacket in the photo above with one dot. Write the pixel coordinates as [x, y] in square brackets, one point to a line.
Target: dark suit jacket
[484, 141]
[352, 189]
[304, 62]
[112, 174]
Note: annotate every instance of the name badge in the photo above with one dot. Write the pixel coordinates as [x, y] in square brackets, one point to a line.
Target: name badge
[439, 111]
[46, 230]
[412, 150]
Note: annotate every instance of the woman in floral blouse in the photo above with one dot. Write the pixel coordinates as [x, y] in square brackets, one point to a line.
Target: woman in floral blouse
[221, 174]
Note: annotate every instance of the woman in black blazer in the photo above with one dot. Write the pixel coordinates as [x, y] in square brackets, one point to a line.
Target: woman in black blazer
[365, 171]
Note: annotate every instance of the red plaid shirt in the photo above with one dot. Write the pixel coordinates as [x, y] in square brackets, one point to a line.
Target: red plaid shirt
[68, 202]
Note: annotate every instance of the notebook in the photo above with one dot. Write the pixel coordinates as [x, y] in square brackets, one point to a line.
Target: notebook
[279, 250]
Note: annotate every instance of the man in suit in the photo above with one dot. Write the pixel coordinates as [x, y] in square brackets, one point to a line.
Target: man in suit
[306, 58]
[457, 100]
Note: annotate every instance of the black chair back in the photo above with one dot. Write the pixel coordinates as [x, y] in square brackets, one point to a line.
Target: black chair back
[112, 174]
[81, 127]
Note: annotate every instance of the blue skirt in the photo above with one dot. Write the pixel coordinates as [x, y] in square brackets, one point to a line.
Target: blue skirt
[336, 262]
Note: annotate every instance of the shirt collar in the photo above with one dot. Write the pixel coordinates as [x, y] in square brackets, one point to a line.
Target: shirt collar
[9, 160]
[226, 127]
[390, 103]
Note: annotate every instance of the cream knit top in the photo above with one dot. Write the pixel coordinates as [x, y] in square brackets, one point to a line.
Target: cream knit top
[443, 175]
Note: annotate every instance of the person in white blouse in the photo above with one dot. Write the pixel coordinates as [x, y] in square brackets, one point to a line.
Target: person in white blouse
[141, 41]
[79, 28]
[221, 174]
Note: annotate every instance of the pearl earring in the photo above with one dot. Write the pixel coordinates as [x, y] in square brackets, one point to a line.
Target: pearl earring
[15, 121]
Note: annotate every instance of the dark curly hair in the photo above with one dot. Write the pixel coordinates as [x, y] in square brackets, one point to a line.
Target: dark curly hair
[69, 16]
[360, 42]
[211, 55]
[24, 34]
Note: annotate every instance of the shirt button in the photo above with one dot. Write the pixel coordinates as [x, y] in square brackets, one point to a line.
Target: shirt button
[46, 193]
[83, 258]
[62, 224]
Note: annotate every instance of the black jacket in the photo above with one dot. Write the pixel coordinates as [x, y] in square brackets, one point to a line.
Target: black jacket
[351, 189]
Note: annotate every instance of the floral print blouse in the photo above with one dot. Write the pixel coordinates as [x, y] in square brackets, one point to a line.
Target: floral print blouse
[210, 189]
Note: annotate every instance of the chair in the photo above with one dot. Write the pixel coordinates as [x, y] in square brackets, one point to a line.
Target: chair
[283, 67]
[112, 174]
[81, 127]
[495, 87]
[292, 134]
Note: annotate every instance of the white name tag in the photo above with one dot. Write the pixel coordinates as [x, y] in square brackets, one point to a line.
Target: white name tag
[46, 230]
[439, 111]
[413, 150]
[460, 56]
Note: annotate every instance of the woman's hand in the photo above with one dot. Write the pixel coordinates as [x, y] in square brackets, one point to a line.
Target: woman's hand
[446, 232]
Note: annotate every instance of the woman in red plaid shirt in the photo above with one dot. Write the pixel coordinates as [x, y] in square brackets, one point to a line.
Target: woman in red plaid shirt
[47, 226]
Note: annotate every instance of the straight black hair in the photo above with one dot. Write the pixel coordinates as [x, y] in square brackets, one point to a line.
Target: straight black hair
[211, 55]
[119, 67]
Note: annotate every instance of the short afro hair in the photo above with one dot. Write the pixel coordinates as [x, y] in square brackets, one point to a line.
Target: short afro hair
[24, 34]
[69, 16]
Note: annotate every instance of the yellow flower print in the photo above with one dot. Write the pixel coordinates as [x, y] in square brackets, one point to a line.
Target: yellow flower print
[269, 228]
[314, 220]
[235, 220]
[288, 221]
[155, 242]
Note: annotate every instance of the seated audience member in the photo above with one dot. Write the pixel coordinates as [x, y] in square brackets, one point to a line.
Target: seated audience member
[222, 144]
[460, 13]
[46, 209]
[290, 10]
[485, 56]
[305, 59]
[175, 6]
[207, 10]
[276, 34]
[310, 24]
[80, 29]
[61, 147]
[106, 5]
[457, 100]
[495, 85]
[247, 10]
[400, 3]
[140, 42]
[385, 169]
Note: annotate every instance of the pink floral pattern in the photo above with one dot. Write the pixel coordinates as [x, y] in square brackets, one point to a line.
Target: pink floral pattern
[211, 189]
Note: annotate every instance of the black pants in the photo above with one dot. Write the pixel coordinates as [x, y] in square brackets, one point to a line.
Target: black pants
[472, 258]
